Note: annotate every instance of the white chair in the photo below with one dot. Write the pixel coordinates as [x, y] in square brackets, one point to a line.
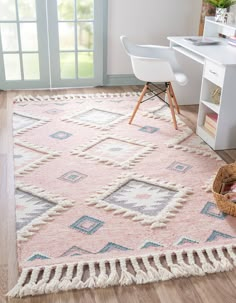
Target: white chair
[155, 64]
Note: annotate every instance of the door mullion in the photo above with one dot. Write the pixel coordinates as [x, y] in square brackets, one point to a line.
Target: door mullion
[2, 74]
[100, 40]
[76, 41]
[43, 42]
[53, 38]
[19, 41]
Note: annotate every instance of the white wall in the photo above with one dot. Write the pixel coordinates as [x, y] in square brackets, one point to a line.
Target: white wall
[233, 10]
[149, 21]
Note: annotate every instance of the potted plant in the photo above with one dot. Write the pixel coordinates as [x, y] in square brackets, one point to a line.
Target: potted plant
[222, 8]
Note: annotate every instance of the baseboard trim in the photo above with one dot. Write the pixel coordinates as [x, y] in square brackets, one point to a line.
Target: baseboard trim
[121, 80]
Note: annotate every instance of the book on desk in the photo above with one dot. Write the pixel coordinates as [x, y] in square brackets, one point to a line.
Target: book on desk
[202, 41]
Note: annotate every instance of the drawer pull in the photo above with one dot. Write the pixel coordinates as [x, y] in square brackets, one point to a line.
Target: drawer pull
[212, 72]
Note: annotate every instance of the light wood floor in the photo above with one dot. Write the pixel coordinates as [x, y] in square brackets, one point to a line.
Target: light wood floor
[214, 288]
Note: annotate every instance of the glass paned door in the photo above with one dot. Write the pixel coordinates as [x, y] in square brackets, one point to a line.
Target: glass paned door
[76, 42]
[51, 43]
[23, 58]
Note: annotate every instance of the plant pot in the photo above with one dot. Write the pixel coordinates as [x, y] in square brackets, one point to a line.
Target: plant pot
[220, 15]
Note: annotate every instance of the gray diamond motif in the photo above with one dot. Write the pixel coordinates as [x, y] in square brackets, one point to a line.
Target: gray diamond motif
[145, 198]
[97, 116]
[29, 207]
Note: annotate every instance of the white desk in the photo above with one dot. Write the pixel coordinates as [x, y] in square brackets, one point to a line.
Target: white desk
[220, 53]
[208, 67]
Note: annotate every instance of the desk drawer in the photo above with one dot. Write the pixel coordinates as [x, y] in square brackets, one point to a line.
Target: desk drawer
[214, 72]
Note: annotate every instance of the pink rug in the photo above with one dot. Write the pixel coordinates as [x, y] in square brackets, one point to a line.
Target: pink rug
[100, 202]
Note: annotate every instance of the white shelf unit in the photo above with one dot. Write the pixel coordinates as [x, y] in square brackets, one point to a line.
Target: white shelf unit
[223, 76]
[215, 75]
[213, 28]
[208, 67]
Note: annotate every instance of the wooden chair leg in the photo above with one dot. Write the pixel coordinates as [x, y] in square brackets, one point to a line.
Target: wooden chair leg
[174, 98]
[139, 102]
[171, 107]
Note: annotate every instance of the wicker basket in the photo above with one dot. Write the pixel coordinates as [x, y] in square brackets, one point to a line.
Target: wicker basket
[226, 173]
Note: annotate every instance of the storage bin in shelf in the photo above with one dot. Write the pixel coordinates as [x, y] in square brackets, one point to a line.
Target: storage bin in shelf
[211, 95]
[210, 123]
[207, 123]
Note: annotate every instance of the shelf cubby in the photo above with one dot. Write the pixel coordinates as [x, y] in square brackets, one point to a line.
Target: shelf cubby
[208, 88]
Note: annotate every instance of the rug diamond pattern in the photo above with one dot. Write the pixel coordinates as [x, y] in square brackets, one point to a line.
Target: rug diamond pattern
[21, 121]
[29, 207]
[112, 195]
[116, 151]
[24, 156]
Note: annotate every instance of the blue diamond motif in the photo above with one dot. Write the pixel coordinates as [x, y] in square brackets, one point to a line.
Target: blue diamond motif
[87, 225]
[72, 176]
[211, 210]
[112, 246]
[215, 235]
[151, 244]
[184, 240]
[179, 167]
[75, 251]
[149, 129]
[61, 135]
[38, 257]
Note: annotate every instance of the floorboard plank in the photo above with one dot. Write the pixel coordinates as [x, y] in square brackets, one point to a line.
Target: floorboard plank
[215, 288]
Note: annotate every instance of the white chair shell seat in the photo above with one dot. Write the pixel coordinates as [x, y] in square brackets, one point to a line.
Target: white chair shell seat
[155, 64]
[181, 79]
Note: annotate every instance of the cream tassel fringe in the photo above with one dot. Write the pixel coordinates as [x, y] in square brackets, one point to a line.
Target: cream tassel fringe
[68, 97]
[124, 271]
[126, 277]
[113, 278]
